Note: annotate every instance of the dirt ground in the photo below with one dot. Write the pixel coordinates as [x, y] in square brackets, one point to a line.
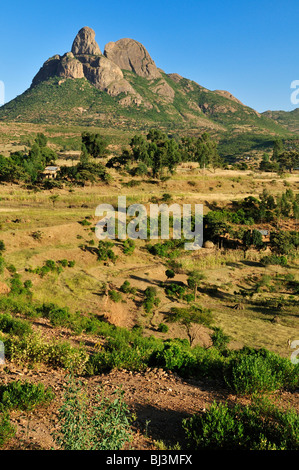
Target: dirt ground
[159, 400]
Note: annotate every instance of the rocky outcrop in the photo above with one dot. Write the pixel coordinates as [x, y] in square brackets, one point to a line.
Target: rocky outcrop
[164, 90]
[105, 71]
[66, 66]
[228, 95]
[129, 54]
[175, 77]
[85, 43]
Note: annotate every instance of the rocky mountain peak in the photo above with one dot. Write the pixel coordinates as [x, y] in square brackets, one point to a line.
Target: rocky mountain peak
[129, 54]
[85, 43]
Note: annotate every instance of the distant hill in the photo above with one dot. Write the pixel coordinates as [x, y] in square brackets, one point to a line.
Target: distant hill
[123, 87]
[287, 119]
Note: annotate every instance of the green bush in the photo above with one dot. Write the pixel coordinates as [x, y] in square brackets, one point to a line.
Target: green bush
[219, 338]
[32, 350]
[175, 290]
[249, 371]
[57, 316]
[106, 428]
[105, 252]
[24, 395]
[175, 356]
[128, 246]
[7, 430]
[127, 289]
[115, 296]
[163, 328]
[259, 426]
[150, 299]
[275, 260]
[14, 326]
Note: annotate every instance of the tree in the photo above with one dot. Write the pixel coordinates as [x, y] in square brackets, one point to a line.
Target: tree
[277, 149]
[157, 152]
[281, 242]
[194, 279]
[252, 238]
[169, 273]
[191, 317]
[288, 160]
[41, 140]
[84, 157]
[54, 198]
[2, 247]
[95, 144]
[202, 150]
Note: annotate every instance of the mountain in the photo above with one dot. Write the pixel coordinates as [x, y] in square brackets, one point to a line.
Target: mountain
[123, 86]
[287, 119]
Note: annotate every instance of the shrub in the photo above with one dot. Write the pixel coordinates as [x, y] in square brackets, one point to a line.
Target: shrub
[63, 262]
[275, 260]
[28, 284]
[150, 299]
[128, 246]
[175, 290]
[105, 252]
[106, 428]
[163, 328]
[7, 430]
[219, 339]
[24, 396]
[127, 289]
[14, 326]
[32, 350]
[250, 371]
[175, 356]
[259, 426]
[169, 273]
[57, 316]
[114, 295]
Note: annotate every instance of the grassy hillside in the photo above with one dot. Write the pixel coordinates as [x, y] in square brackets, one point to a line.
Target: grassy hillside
[287, 119]
[192, 111]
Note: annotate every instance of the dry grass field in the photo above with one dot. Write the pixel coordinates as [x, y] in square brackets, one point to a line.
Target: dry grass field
[36, 228]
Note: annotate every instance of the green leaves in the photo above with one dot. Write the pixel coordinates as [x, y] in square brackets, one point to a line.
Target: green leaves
[103, 425]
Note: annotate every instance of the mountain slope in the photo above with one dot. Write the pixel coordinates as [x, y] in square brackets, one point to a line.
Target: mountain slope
[287, 119]
[124, 87]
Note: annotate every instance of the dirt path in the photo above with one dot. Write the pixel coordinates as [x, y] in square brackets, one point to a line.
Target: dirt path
[159, 399]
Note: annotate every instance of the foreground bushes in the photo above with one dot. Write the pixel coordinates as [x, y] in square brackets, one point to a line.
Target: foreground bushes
[32, 350]
[251, 370]
[106, 428]
[259, 426]
[23, 396]
[245, 371]
[7, 430]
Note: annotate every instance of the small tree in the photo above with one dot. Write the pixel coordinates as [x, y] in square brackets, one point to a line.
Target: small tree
[194, 279]
[54, 198]
[191, 318]
[169, 273]
[2, 247]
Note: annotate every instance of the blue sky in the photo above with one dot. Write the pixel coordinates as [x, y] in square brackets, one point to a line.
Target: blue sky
[249, 48]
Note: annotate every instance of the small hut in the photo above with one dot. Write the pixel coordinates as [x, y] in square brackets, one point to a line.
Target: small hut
[50, 172]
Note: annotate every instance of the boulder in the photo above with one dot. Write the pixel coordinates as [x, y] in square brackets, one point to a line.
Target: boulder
[85, 43]
[4, 289]
[129, 54]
